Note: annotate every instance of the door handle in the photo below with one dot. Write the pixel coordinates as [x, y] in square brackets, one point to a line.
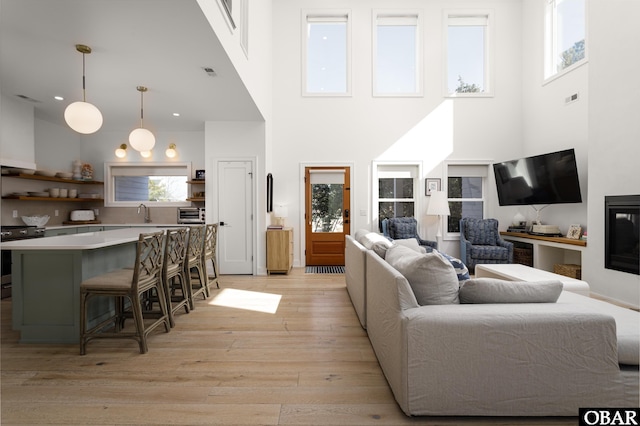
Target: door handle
[346, 213]
[221, 223]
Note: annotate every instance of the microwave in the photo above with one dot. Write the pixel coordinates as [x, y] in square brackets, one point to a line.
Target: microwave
[191, 215]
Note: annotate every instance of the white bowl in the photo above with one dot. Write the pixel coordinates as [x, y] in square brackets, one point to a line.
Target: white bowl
[38, 221]
[47, 173]
[64, 175]
[22, 171]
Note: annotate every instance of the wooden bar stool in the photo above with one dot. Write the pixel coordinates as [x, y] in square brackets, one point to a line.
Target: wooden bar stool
[209, 253]
[127, 284]
[193, 266]
[173, 272]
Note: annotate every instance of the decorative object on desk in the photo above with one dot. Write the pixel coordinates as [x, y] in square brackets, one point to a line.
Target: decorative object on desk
[574, 232]
[141, 139]
[281, 212]
[87, 172]
[82, 116]
[269, 193]
[77, 170]
[200, 174]
[438, 206]
[121, 152]
[431, 185]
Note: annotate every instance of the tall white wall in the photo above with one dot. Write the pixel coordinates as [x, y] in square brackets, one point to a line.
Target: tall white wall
[614, 132]
[549, 124]
[361, 129]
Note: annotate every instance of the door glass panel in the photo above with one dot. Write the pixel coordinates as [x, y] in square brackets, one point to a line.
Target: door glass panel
[326, 207]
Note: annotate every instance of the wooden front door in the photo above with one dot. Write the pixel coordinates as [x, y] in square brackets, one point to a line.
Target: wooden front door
[327, 214]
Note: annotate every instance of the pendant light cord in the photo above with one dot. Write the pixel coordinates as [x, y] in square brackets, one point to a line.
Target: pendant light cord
[84, 95]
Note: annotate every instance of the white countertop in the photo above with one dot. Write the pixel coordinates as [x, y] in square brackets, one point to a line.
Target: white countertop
[84, 241]
[108, 225]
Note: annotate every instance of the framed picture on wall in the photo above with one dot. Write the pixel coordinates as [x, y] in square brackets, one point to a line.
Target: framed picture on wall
[431, 184]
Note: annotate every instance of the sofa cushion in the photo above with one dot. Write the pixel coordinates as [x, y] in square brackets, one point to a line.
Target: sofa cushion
[431, 277]
[381, 247]
[370, 238]
[492, 290]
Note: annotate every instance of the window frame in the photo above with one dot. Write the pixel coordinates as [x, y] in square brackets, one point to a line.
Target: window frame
[485, 164]
[142, 168]
[419, 56]
[415, 168]
[488, 65]
[550, 49]
[330, 15]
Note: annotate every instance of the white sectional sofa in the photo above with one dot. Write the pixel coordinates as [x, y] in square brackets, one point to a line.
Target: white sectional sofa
[494, 359]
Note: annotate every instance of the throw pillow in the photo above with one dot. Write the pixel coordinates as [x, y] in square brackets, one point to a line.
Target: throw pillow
[371, 238]
[492, 290]
[412, 243]
[461, 269]
[431, 277]
[381, 247]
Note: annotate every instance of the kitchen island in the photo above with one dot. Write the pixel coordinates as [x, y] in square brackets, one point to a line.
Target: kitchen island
[46, 275]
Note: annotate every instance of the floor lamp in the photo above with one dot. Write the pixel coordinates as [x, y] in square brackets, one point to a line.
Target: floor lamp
[438, 206]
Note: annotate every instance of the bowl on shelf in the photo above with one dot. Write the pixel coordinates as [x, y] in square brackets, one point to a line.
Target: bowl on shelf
[21, 171]
[64, 175]
[47, 173]
[38, 221]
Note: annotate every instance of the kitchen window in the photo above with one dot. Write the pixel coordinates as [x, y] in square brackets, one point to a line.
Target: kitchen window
[152, 184]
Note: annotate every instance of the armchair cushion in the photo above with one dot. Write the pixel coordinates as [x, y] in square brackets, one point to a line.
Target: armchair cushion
[490, 252]
[482, 231]
[431, 276]
[491, 290]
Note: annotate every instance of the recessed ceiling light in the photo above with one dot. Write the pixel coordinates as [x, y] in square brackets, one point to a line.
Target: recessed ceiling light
[176, 114]
[58, 98]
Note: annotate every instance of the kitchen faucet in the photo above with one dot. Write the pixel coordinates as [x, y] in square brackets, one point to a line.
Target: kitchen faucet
[147, 218]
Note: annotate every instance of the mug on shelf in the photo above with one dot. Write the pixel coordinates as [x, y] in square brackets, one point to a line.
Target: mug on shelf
[54, 192]
[73, 193]
[64, 192]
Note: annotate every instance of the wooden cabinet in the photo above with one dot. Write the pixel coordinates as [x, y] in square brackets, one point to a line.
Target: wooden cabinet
[279, 250]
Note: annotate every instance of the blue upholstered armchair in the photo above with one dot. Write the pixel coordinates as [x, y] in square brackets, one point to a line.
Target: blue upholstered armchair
[480, 242]
[400, 228]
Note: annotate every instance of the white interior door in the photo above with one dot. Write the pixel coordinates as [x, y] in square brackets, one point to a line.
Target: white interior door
[235, 241]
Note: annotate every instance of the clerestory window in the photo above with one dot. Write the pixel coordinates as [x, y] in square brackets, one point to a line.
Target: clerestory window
[397, 54]
[468, 53]
[565, 41]
[326, 61]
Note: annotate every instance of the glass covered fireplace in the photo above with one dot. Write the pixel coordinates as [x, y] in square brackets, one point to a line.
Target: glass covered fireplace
[622, 233]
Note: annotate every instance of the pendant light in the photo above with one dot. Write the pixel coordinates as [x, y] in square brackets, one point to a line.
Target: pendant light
[82, 116]
[142, 139]
[122, 151]
[171, 151]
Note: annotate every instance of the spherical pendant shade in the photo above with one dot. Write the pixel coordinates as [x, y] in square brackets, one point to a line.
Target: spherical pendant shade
[142, 139]
[83, 117]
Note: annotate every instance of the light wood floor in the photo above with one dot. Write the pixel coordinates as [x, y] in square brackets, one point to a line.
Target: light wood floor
[309, 363]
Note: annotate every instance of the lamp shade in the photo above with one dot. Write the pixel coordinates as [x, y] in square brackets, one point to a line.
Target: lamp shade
[280, 211]
[438, 205]
[121, 152]
[83, 117]
[142, 139]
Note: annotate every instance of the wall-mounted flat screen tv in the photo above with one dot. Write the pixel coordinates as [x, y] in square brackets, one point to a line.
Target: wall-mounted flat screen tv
[541, 179]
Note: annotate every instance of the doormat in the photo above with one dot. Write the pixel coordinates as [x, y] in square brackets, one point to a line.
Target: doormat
[324, 270]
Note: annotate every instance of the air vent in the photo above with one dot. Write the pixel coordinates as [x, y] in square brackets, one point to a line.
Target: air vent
[210, 71]
[26, 98]
[571, 99]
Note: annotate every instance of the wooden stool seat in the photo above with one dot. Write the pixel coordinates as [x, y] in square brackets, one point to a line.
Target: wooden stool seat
[132, 285]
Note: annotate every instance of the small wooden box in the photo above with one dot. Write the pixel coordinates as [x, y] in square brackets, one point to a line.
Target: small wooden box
[568, 270]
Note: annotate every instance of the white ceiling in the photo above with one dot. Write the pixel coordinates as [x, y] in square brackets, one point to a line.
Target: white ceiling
[160, 44]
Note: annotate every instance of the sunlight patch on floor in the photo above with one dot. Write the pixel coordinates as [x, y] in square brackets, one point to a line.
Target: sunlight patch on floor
[248, 300]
